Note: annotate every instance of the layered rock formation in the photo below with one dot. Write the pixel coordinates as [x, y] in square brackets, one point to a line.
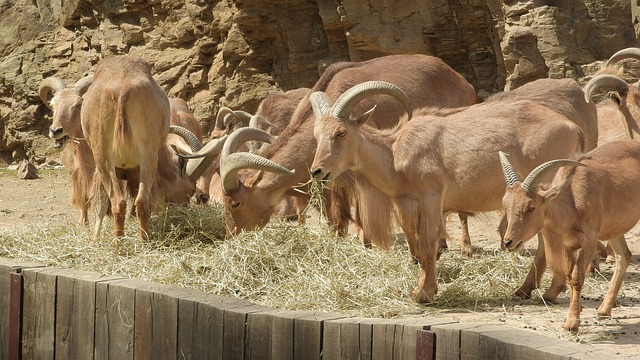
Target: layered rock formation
[232, 53]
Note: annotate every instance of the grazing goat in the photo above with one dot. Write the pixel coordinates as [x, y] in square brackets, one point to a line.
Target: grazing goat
[252, 195]
[65, 125]
[436, 163]
[125, 117]
[273, 115]
[596, 200]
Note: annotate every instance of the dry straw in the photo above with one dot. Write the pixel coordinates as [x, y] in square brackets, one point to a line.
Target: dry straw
[285, 265]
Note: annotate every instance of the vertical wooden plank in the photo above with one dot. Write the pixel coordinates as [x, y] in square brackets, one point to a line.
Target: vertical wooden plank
[383, 332]
[347, 338]
[114, 321]
[197, 325]
[308, 335]
[448, 340]
[235, 322]
[15, 318]
[425, 345]
[351, 345]
[38, 315]
[331, 346]
[10, 336]
[223, 331]
[366, 340]
[5, 291]
[190, 330]
[156, 321]
[209, 342]
[260, 335]
[283, 334]
[75, 313]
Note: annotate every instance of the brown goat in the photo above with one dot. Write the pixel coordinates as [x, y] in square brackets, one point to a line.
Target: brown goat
[437, 163]
[77, 157]
[250, 196]
[125, 117]
[597, 200]
[276, 110]
[563, 96]
[65, 127]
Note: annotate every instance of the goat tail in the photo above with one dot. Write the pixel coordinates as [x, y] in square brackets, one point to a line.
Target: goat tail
[122, 132]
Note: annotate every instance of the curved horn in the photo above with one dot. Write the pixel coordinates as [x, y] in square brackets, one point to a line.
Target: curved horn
[628, 53]
[510, 176]
[205, 157]
[606, 81]
[257, 120]
[48, 85]
[230, 166]
[83, 84]
[243, 116]
[349, 99]
[241, 136]
[319, 103]
[188, 136]
[535, 176]
[222, 113]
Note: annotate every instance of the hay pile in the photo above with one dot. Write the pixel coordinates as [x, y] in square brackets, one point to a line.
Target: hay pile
[283, 266]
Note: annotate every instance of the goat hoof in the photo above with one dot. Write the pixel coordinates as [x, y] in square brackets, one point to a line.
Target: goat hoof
[523, 294]
[571, 326]
[422, 297]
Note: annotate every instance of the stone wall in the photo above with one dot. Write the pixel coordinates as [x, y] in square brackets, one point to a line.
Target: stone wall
[233, 52]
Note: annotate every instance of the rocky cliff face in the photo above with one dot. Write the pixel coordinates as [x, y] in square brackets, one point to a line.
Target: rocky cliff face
[233, 52]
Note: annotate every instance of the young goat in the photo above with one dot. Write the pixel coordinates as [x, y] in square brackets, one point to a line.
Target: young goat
[595, 199]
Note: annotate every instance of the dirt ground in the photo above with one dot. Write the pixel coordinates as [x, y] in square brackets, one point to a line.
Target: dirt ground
[27, 202]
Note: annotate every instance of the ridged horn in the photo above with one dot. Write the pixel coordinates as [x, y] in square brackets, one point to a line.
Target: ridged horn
[535, 176]
[204, 158]
[188, 136]
[628, 53]
[236, 115]
[349, 99]
[83, 84]
[50, 84]
[230, 166]
[257, 120]
[222, 113]
[320, 103]
[510, 176]
[241, 136]
[606, 81]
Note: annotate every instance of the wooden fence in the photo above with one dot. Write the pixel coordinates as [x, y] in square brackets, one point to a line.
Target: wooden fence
[50, 313]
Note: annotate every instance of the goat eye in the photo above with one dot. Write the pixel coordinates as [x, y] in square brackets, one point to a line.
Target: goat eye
[531, 209]
[341, 133]
[235, 204]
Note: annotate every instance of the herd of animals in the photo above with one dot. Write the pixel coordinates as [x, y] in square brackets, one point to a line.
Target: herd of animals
[399, 138]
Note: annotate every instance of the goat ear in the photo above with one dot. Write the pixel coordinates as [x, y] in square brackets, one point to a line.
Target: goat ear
[255, 179]
[550, 193]
[364, 117]
[616, 97]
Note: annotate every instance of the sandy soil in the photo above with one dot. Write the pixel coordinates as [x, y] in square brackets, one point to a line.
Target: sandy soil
[27, 202]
